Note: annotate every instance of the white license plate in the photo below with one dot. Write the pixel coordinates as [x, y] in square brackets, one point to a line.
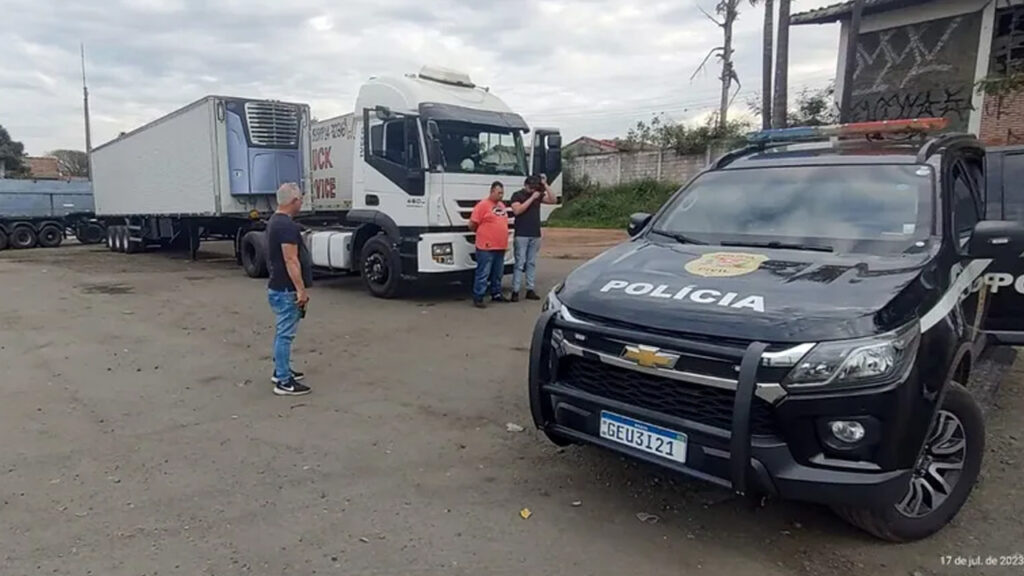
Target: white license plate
[643, 436]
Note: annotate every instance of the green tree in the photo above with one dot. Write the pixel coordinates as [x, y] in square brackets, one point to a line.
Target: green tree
[12, 155]
[662, 133]
[815, 107]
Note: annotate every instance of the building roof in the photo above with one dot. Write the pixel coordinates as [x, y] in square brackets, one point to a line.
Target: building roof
[842, 10]
[43, 167]
[605, 145]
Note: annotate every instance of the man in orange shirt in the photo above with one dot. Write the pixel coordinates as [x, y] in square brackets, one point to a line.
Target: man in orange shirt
[490, 222]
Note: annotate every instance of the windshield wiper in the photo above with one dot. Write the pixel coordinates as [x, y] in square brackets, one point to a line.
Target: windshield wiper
[681, 238]
[780, 245]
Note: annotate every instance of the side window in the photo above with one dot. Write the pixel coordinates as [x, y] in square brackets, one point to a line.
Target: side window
[395, 140]
[964, 202]
[1013, 187]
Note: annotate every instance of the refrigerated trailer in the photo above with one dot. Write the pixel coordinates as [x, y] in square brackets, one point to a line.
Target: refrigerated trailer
[389, 186]
[44, 212]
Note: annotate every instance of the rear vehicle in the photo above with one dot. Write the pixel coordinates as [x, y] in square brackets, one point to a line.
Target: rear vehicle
[44, 212]
[800, 320]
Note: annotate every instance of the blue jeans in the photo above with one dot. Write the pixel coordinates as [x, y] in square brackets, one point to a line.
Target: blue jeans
[286, 309]
[490, 267]
[526, 261]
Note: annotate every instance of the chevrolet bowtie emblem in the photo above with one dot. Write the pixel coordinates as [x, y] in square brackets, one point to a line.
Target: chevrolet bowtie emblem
[649, 357]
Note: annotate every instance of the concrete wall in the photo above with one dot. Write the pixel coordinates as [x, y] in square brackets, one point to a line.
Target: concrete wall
[623, 167]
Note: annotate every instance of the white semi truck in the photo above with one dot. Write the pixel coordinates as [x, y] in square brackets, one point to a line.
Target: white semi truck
[390, 186]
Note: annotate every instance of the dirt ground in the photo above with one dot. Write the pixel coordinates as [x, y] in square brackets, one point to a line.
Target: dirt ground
[139, 436]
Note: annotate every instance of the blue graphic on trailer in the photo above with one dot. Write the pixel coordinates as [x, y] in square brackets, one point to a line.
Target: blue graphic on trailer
[263, 145]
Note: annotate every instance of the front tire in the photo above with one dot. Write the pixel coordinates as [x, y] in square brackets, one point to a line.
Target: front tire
[3, 240]
[50, 236]
[381, 267]
[254, 254]
[943, 478]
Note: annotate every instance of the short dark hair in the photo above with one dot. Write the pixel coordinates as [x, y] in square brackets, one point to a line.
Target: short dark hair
[497, 184]
[532, 181]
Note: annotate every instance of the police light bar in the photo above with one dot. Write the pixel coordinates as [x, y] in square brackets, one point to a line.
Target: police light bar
[913, 126]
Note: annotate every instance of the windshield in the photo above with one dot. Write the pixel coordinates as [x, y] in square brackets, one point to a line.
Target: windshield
[843, 208]
[478, 149]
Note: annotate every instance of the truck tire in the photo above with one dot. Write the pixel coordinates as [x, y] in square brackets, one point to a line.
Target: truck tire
[945, 474]
[121, 236]
[22, 236]
[132, 245]
[50, 236]
[381, 267]
[254, 254]
[112, 238]
[3, 240]
[90, 233]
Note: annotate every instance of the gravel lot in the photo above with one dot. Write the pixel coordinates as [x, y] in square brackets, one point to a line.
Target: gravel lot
[140, 436]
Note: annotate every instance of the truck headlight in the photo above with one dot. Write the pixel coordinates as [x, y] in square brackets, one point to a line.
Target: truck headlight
[442, 253]
[860, 362]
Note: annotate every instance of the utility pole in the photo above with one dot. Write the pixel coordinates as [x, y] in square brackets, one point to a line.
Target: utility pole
[780, 103]
[766, 64]
[85, 103]
[852, 33]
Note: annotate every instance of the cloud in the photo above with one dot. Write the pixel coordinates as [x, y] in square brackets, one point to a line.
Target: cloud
[588, 66]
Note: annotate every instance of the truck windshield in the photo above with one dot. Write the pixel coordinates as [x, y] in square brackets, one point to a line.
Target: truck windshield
[877, 208]
[478, 149]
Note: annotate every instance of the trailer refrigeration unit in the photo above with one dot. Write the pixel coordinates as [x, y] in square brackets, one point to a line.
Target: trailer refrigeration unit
[43, 212]
[389, 187]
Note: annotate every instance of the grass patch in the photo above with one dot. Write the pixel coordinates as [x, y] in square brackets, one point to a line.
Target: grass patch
[611, 207]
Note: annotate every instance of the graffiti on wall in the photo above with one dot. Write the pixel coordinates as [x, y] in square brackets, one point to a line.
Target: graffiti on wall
[919, 70]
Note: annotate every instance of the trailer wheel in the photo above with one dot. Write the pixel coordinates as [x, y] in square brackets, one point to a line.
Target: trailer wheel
[131, 245]
[23, 236]
[89, 233]
[3, 240]
[254, 254]
[50, 236]
[112, 238]
[122, 239]
[381, 267]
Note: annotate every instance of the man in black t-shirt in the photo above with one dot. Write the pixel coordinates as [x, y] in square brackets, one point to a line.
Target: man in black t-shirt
[526, 206]
[290, 275]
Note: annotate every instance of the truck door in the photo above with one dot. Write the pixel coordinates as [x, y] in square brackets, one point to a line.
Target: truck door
[1005, 277]
[546, 158]
[393, 168]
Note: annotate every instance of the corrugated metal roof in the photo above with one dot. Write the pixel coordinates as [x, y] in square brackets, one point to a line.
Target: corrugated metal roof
[842, 10]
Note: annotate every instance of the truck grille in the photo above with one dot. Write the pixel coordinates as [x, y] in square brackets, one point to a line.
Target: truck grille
[272, 124]
[702, 404]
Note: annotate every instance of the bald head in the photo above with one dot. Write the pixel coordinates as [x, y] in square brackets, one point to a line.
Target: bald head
[289, 198]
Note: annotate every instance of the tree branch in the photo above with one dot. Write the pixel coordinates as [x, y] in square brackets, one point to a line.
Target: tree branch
[710, 17]
[703, 62]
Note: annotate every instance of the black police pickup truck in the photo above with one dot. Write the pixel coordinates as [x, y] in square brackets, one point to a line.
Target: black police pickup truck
[800, 320]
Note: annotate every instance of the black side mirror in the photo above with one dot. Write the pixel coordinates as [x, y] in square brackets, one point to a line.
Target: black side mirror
[552, 161]
[434, 156]
[382, 112]
[638, 222]
[996, 239]
[554, 142]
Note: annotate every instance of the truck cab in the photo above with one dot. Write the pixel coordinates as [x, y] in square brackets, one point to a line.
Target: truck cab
[408, 166]
[800, 320]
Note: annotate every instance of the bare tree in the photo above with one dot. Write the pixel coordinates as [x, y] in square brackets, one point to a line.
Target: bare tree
[727, 11]
[780, 101]
[72, 162]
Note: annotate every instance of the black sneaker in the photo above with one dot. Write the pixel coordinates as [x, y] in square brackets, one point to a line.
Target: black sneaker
[515, 297]
[498, 298]
[296, 375]
[531, 295]
[479, 303]
[291, 388]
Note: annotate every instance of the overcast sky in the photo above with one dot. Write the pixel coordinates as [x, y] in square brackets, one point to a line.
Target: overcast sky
[591, 67]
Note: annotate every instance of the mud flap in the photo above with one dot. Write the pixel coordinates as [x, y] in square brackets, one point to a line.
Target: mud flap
[739, 442]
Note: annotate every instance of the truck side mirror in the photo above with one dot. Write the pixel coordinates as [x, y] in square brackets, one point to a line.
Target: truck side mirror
[434, 156]
[382, 112]
[996, 239]
[553, 161]
[555, 142]
[638, 222]
[433, 130]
